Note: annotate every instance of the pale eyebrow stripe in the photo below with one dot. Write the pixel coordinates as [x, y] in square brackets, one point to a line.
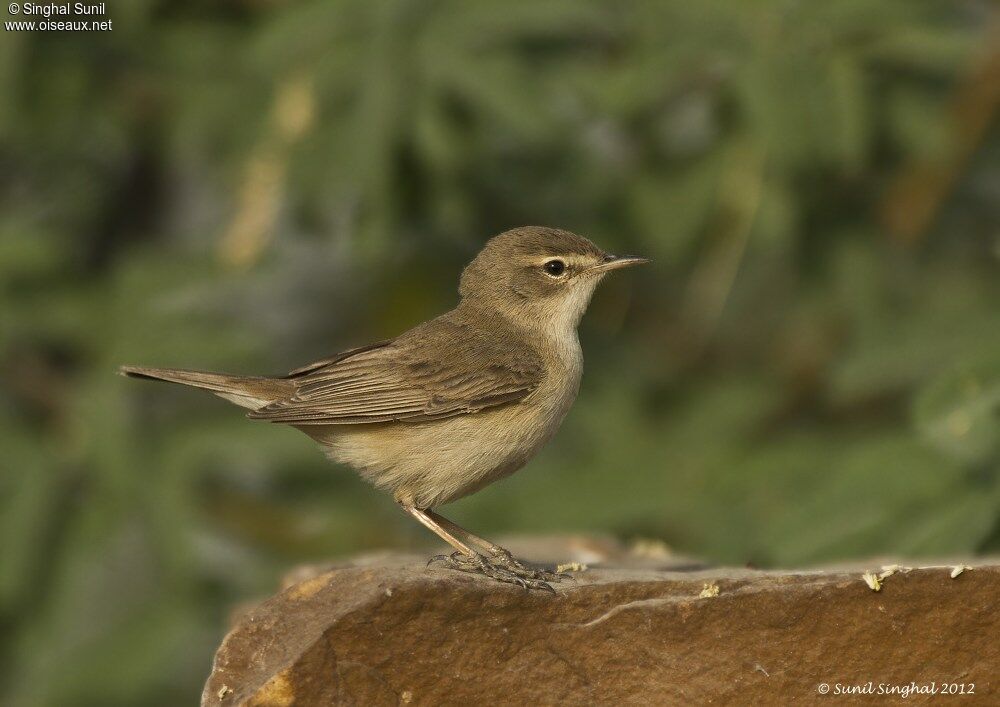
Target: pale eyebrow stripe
[570, 260]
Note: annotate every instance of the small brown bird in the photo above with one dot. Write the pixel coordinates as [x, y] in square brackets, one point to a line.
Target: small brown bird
[455, 403]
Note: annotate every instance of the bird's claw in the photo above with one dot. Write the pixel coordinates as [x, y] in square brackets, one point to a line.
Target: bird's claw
[442, 558]
[504, 558]
[507, 570]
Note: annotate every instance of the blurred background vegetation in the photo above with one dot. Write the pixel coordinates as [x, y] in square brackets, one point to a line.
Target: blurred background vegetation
[809, 372]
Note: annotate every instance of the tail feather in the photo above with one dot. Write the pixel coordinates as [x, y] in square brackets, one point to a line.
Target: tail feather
[250, 392]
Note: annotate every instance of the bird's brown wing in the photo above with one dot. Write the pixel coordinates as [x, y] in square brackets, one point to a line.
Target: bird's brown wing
[336, 358]
[441, 369]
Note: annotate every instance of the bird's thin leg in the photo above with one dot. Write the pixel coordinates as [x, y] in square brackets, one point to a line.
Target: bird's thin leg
[500, 555]
[470, 537]
[468, 560]
[435, 526]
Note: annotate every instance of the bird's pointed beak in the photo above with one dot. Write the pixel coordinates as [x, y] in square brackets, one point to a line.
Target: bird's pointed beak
[616, 262]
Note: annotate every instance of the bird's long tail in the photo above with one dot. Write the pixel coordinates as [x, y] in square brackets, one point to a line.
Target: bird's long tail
[250, 392]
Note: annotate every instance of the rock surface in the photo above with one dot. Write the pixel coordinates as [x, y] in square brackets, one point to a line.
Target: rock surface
[387, 630]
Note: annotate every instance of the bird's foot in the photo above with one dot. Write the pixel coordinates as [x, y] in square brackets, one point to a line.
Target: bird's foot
[512, 572]
[503, 558]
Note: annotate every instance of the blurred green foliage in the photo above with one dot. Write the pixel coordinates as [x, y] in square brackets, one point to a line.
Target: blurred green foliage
[810, 371]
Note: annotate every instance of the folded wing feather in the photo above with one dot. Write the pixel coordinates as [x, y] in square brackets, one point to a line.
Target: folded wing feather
[412, 378]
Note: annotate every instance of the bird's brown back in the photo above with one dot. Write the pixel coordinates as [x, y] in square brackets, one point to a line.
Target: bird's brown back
[461, 362]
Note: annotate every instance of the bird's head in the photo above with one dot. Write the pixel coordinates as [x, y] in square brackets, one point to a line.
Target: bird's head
[538, 274]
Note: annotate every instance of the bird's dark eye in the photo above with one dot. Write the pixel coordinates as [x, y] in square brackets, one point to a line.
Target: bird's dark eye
[555, 268]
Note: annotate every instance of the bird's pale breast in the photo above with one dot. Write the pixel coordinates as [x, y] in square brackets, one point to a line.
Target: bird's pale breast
[431, 463]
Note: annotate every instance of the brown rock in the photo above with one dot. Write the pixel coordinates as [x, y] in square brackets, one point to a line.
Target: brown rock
[392, 631]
